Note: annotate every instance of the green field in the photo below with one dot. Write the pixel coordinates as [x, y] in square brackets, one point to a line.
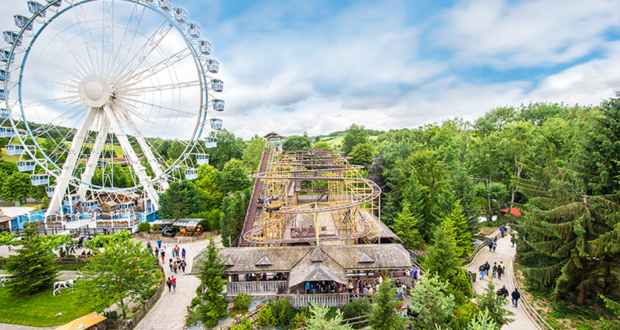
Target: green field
[337, 140]
[40, 310]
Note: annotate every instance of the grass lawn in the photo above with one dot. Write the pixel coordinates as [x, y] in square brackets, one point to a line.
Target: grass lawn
[40, 310]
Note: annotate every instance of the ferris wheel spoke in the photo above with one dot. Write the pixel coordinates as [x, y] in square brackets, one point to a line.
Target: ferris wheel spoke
[179, 85]
[82, 23]
[60, 33]
[91, 164]
[133, 109]
[51, 81]
[69, 71]
[149, 46]
[60, 100]
[129, 35]
[126, 99]
[160, 66]
[107, 42]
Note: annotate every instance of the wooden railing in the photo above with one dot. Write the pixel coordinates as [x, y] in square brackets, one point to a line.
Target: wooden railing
[331, 300]
[266, 287]
[531, 313]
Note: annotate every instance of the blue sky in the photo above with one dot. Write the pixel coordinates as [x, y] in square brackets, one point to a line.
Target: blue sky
[318, 66]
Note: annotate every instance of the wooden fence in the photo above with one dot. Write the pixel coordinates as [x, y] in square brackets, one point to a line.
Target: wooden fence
[333, 299]
[141, 313]
[266, 287]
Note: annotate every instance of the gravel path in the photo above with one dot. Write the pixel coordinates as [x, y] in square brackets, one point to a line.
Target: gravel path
[169, 312]
[504, 252]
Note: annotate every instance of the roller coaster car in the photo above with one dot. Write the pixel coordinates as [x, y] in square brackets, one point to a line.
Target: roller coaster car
[274, 206]
[260, 203]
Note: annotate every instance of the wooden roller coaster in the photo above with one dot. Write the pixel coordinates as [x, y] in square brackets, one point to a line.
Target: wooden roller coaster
[311, 197]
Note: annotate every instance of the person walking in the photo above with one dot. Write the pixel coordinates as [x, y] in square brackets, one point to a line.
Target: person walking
[500, 271]
[494, 246]
[159, 243]
[481, 271]
[156, 252]
[307, 287]
[169, 284]
[502, 294]
[501, 230]
[490, 246]
[487, 266]
[515, 297]
[183, 265]
[170, 263]
[494, 269]
[163, 256]
[175, 266]
[174, 284]
[183, 253]
[512, 241]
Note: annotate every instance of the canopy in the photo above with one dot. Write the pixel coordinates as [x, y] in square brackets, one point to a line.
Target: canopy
[515, 211]
[83, 322]
[187, 222]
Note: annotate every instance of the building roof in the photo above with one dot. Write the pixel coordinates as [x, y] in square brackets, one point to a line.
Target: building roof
[515, 211]
[187, 222]
[316, 267]
[273, 135]
[386, 232]
[287, 258]
[5, 218]
[110, 203]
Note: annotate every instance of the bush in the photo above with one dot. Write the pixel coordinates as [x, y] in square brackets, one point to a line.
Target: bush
[242, 302]
[111, 315]
[244, 325]
[195, 301]
[265, 318]
[154, 227]
[357, 308]
[281, 311]
[144, 227]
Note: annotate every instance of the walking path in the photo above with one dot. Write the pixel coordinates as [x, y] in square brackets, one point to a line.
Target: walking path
[506, 253]
[170, 310]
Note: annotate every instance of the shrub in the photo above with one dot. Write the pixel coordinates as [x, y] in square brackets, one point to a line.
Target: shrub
[265, 318]
[154, 227]
[242, 302]
[244, 325]
[282, 311]
[144, 227]
[299, 321]
[357, 308]
[111, 315]
[195, 301]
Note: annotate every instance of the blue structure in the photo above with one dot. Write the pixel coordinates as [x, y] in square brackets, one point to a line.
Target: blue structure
[12, 38]
[4, 56]
[21, 21]
[202, 159]
[4, 75]
[204, 47]
[191, 174]
[210, 142]
[39, 179]
[217, 85]
[34, 7]
[50, 191]
[212, 66]
[26, 165]
[55, 3]
[3, 96]
[14, 149]
[216, 124]
[218, 105]
[180, 15]
[194, 30]
[6, 132]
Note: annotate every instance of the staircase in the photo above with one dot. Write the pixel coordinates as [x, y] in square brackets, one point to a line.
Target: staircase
[251, 213]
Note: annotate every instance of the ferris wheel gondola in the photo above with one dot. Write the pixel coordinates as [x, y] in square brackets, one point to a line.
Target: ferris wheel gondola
[92, 86]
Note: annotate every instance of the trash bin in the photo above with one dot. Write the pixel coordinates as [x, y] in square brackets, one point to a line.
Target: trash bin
[473, 276]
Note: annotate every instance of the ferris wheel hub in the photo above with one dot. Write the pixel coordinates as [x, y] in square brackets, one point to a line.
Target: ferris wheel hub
[94, 91]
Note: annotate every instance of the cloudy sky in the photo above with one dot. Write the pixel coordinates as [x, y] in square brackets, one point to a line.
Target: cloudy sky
[318, 66]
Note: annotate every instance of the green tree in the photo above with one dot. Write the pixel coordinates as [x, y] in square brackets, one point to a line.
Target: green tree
[32, 268]
[210, 184]
[383, 316]
[442, 258]
[120, 274]
[296, 142]
[176, 149]
[354, 135]
[488, 302]
[406, 228]
[211, 274]
[323, 146]
[17, 187]
[228, 147]
[361, 153]
[234, 209]
[235, 176]
[483, 321]
[180, 200]
[318, 320]
[456, 225]
[253, 153]
[432, 303]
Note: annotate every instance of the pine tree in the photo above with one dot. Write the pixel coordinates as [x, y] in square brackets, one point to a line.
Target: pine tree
[561, 224]
[406, 228]
[32, 268]
[211, 274]
[383, 316]
[456, 225]
[482, 321]
[442, 258]
[488, 302]
[318, 320]
[432, 303]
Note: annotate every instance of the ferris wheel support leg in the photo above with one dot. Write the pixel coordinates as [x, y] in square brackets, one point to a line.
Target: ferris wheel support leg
[140, 171]
[91, 165]
[72, 157]
[148, 153]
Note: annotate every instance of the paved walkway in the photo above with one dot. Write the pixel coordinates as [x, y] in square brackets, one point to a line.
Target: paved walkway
[504, 252]
[169, 311]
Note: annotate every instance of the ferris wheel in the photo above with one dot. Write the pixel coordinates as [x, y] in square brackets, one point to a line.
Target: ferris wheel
[94, 92]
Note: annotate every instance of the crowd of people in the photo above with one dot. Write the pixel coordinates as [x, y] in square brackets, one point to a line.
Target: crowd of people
[175, 264]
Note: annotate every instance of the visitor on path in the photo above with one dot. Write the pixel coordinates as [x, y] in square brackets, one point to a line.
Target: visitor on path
[512, 241]
[515, 297]
[169, 284]
[163, 255]
[148, 245]
[170, 264]
[502, 294]
[494, 269]
[415, 273]
[156, 252]
[175, 266]
[174, 284]
[183, 253]
[501, 230]
[494, 246]
[481, 271]
[487, 266]
[164, 246]
[490, 246]
[159, 243]
[500, 271]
